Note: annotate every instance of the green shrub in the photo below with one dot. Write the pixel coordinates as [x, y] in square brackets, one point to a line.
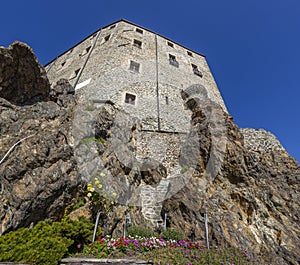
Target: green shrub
[171, 233]
[139, 231]
[46, 243]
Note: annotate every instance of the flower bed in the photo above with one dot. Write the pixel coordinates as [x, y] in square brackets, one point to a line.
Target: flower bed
[169, 252]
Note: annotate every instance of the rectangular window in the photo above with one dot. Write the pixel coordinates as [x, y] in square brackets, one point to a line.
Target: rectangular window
[196, 70]
[77, 72]
[170, 44]
[130, 99]
[134, 66]
[137, 43]
[85, 51]
[167, 100]
[74, 74]
[173, 61]
[189, 53]
[62, 65]
[107, 38]
[139, 30]
[88, 49]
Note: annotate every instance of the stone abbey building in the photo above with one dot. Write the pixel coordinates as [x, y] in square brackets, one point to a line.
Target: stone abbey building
[142, 74]
[139, 71]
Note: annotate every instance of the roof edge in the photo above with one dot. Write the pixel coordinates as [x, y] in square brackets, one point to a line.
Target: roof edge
[133, 24]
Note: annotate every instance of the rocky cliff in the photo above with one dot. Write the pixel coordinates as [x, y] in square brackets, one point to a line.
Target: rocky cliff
[51, 148]
[23, 80]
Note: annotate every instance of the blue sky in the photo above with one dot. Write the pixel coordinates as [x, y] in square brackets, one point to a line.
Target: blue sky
[252, 46]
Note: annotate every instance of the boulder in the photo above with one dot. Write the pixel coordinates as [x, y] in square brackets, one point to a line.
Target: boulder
[22, 79]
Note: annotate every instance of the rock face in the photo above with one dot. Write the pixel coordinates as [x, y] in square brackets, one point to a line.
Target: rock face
[252, 203]
[39, 177]
[247, 183]
[62, 87]
[22, 79]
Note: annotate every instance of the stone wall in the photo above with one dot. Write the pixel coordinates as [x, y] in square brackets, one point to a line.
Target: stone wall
[156, 84]
[261, 141]
[163, 147]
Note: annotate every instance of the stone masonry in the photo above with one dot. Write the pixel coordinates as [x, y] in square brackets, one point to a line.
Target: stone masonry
[261, 140]
[124, 62]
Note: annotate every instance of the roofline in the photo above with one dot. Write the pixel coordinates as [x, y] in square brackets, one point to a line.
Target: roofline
[133, 24]
[124, 20]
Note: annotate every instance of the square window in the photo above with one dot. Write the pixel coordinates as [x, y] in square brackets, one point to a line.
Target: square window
[134, 66]
[77, 72]
[137, 43]
[130, 99]
[139, 30]
[173, 61]
[189, 53]
[88, 49]
[196, 70]
[74, 74]
[170, 44]
[107, 38]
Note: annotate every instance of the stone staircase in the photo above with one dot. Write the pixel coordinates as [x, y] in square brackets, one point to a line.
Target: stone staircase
[151, 201]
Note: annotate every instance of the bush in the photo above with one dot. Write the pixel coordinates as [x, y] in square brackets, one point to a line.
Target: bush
[173, 234]
[46, 243]
[139, 231]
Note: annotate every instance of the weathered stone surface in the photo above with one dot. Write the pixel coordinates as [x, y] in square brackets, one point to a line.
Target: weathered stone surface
[39, 177]
[152, 171]
[252, 203]
[62, 87]
[22, 79]
[261, 141]
[252, 200]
